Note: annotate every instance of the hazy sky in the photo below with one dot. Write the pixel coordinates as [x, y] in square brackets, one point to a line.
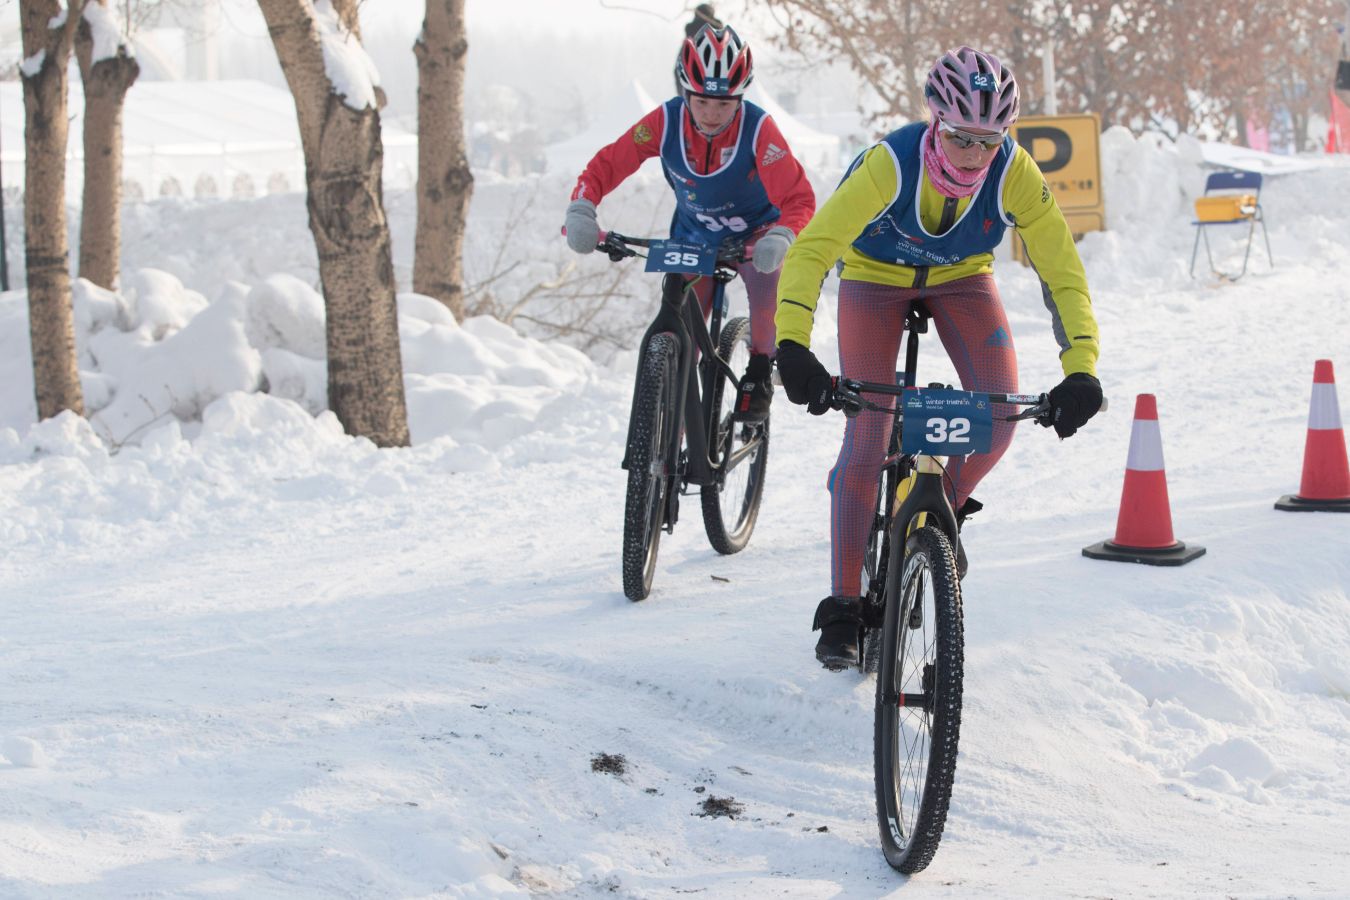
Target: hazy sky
[576, 13]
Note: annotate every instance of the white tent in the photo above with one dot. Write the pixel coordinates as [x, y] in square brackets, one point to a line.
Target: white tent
[197, 139]
[817, 151]
[569, 157]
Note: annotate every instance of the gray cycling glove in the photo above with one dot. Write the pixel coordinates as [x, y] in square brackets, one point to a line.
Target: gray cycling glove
[770, 249]
[583, 234]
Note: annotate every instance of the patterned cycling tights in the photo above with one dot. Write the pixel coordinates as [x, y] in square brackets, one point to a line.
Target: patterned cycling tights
[761, 291]
[974, 330]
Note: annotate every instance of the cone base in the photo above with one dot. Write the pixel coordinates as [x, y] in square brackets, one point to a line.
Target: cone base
[1295, 503]
[1176, 555]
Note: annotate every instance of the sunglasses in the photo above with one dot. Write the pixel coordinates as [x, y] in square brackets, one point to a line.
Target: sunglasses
[964, 139]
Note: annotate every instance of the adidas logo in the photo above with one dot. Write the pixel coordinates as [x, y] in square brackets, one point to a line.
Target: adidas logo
[999, 338]
[772, 154]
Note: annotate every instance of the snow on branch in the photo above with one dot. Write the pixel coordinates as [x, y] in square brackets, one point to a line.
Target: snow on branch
[348, 66]
[107, 34]
[33, 64]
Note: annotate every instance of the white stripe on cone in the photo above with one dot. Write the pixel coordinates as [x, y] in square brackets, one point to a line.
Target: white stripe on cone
[1145, 447]
[1323, 413]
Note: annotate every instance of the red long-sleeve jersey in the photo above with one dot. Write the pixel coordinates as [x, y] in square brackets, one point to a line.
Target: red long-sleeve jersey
[779, 171]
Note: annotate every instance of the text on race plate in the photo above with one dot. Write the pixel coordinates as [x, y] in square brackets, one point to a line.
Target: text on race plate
[678, 256]
[943, 422]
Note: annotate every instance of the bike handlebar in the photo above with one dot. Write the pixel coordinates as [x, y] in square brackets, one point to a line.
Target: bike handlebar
[617, 246]
[847, 396]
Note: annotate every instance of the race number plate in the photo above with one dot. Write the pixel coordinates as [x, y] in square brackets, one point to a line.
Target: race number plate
[677, 256]
[946, 423]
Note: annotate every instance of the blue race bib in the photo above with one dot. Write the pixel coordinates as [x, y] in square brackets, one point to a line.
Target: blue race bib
[678, 256]
[946, 423]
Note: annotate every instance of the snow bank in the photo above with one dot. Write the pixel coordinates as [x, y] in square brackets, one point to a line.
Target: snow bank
[159, 352]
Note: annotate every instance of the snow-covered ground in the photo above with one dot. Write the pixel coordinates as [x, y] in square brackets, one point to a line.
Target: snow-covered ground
[245, 655]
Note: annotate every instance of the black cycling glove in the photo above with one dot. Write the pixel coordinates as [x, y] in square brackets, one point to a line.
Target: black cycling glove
[1072, 402]
[805, 380]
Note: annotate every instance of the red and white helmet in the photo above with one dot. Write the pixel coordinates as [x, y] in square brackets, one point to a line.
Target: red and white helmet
[715, 63]
[970, 89]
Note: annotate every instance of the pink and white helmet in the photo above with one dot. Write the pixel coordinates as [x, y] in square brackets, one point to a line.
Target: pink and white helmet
[716, 63]
[970, 89]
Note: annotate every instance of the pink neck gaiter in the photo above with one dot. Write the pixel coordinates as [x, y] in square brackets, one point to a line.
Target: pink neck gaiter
[949, 180]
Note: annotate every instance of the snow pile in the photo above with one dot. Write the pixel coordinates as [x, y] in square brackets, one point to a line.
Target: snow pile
[159, 353]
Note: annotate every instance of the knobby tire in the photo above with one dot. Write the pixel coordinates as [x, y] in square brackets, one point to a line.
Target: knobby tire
[914, 748]
[655, 420]
[731, 504]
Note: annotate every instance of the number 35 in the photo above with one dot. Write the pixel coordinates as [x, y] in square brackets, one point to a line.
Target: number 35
[676, 258]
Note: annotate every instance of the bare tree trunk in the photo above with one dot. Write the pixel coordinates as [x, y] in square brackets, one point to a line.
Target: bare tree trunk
[343, 161]
[51, 322]
[106, 82]
[444, 181]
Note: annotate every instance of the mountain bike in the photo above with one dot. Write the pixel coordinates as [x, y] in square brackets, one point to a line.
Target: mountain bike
[682, 433]
[912, 634]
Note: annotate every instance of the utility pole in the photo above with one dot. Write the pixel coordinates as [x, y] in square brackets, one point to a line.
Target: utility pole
[1343, 66]
[1048, 75]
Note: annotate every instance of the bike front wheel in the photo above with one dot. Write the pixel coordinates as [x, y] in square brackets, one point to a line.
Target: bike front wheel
[918, 701]
[655, 420]
[731, 503]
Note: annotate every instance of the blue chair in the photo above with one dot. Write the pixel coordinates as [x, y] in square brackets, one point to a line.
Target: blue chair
[1230, 198]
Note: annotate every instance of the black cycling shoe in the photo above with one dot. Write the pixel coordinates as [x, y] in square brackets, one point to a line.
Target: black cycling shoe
[754, 393]
[969, 508]
[838, 619]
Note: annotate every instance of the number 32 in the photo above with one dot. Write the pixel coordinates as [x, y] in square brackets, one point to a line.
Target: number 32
[949, 431]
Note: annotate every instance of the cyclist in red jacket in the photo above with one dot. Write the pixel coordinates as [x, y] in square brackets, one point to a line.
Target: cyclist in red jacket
[734, 177]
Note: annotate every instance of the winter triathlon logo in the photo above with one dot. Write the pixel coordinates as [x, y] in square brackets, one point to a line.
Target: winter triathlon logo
[641, 134]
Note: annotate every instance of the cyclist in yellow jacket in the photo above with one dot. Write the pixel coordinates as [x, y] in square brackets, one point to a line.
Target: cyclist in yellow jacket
[917, 217]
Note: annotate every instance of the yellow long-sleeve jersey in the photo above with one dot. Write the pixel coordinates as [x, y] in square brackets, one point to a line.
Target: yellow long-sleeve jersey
[872, 187]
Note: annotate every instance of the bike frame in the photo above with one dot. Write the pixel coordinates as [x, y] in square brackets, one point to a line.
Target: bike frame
[919, 476]
[680, 316]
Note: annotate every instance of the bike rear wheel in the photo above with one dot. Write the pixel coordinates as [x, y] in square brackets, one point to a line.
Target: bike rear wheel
[918, 701]
[655, 420]
[731, 503]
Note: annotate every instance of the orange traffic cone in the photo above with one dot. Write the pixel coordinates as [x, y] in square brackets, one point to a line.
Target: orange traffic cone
[1326, 476]
[1144, 527]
